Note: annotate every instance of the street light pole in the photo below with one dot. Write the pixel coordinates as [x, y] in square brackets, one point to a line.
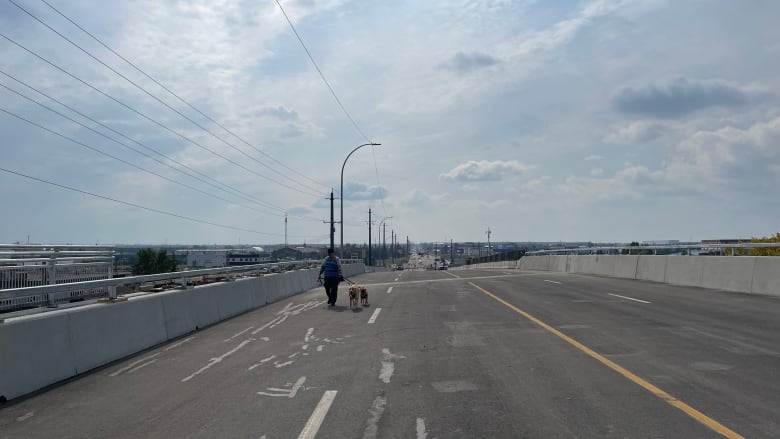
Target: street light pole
[341, 243]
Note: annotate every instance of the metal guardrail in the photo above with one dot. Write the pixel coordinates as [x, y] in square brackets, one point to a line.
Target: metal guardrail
[655, 248]
[52, 295]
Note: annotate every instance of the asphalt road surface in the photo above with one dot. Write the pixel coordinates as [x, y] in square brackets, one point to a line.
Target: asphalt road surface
[445, 354]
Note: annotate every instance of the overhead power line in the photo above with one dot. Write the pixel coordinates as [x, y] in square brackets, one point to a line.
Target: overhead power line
[138, 206]
[217, 184]
[156, 122]
[322, 75]
[338, 101]
[148, 93]
[182, 100]
[97, 150]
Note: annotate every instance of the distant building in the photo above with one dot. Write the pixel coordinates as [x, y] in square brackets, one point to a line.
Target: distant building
[662, 242]
[224, 257]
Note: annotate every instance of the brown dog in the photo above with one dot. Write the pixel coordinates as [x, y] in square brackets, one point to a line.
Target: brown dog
[354, 290]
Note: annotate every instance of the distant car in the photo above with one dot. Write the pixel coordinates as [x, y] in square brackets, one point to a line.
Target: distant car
[400, 268]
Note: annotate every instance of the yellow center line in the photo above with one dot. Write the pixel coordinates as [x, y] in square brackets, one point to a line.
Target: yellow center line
[685, 408]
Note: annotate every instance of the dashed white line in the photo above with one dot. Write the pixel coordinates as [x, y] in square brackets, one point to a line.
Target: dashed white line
[25, 417]
[176, 345]
[315, 421]
[389, 290]
[374, 316]
[143, 365]
[133, 364]
[216, 360]
[286, 363]
[551, 281]
[236, 335]
[395, 280]
[421, 433]
[319, 348]
[629, 298]
[307, 337]
[376, 411]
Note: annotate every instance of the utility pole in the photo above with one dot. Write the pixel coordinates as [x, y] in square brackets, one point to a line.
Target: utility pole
[407, 246]
[285, 230]
[488, 235]
[370, 224]
[332, 227]
[392, 246]
[451, 252]
[384, 243]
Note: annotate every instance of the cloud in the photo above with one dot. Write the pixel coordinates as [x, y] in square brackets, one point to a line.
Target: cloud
[279, 112]
[637, 132]
[594, 157]
[418, 197]
[463, 63]
[354, 191]
[483, 170]
[300, 211]
[680, 97]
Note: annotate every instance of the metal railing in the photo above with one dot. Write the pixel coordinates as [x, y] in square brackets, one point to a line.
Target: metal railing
[654, 248]
[26, 266]
[54, 294]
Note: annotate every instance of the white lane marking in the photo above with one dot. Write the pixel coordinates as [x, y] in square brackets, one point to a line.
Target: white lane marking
[236, 335]
[421, 434]
[293, 354]
[176, 345]
[628, 298]
[143, 365]
[388, 366]
[374, 316]
[319, 348]
[552, 281]
[265, 339]
[315, 421]
[308, 335]
[216, 360]
[25, 417]
[376, 411]
[286, 363]
[304, 347]
[264, 360]
[395, 280]
[133, 364]
[290, 393]
[389, 290]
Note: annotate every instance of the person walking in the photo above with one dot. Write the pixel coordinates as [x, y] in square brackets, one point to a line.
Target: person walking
[331, 268]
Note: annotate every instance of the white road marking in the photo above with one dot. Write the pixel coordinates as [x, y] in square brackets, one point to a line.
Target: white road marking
[143, 365]
[628, 298]
[304, 347]
[319, 348]
[395, 280]
[388, 366]
[286, 363]
[265, 339]
[551, 281]
[264, 360]
[176, 345]
[421, 434]
[242, 332]
[315, 421]
[290, 393]
[389, 290]
[133, 364]
[24, 417]
[293, 355]
[374, 316]
[376, 411]
[307, 337]
[216, 360]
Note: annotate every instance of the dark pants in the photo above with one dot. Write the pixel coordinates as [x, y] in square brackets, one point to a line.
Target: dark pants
[331, 288]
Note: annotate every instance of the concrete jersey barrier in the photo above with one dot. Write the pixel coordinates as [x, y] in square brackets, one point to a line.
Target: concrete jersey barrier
[43, 349]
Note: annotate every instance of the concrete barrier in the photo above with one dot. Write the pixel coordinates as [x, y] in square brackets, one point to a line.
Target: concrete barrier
[766, 275]
[234, 298]
[260, 293]
[728, 273]
[273, 286]
[102, 334]
[685, 270]
[558, 263]
[652, 268]
[36, 352]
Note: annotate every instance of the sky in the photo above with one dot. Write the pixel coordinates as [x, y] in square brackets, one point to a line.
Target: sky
[603, 121]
